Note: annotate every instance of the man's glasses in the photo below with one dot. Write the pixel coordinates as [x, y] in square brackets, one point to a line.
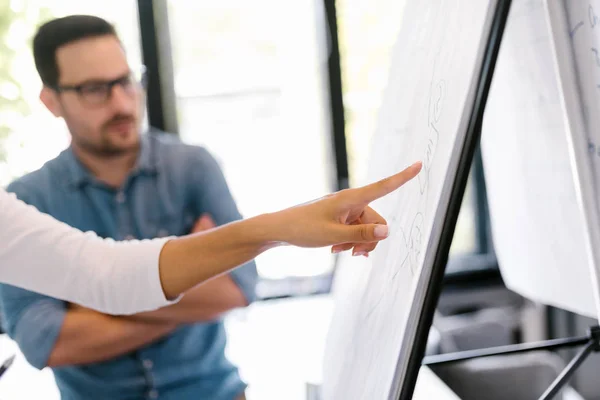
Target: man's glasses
[97, 93]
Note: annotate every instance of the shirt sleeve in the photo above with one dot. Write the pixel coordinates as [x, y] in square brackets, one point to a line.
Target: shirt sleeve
[33, 320]
[43, 255]
[212, 195]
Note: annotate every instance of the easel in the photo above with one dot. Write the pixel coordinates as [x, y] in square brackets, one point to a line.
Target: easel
[409, 360]
[472, 138]
[591, 341]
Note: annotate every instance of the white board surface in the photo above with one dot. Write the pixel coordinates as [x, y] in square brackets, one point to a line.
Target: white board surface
[537, 225]
[424, 115]
[575, 33]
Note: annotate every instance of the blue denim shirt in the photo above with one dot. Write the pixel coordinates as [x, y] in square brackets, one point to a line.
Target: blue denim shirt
[172, 185]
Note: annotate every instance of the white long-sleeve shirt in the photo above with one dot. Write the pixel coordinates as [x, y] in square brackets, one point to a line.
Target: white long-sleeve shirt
[41, 254]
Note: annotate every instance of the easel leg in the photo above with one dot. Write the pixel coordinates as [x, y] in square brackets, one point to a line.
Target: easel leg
[566, 374]
[552, 344]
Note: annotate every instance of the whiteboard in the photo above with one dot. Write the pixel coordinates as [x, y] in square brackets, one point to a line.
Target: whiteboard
[575, 33]
[427, 105]
[537, 225]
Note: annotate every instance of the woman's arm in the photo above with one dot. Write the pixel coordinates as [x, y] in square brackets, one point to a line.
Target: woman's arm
[343, 220]
[43, 255]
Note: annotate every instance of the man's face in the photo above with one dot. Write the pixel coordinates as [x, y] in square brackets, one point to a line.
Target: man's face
[102, 120]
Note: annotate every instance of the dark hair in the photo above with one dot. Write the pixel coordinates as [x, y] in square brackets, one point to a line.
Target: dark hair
[61, 31]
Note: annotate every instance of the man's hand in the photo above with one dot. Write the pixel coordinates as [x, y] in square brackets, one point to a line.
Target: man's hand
[343, 219]
[204, 223]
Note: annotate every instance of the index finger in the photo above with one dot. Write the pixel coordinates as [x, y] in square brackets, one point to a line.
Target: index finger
[387, 185]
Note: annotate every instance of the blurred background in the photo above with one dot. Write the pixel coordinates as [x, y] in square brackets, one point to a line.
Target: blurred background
[285, 95]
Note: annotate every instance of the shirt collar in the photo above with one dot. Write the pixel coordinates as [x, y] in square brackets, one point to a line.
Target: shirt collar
[79, 175]
[148, 160]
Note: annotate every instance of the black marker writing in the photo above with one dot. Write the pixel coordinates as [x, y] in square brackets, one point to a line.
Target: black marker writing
[593, 149]
[436, 103]
[415, 240]
[574, 30]
[595, 51]
[592, 16]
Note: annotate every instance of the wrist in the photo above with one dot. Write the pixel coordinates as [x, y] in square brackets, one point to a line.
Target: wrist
[265, 231]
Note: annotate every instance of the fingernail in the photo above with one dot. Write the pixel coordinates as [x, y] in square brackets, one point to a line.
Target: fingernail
[380, 231]
[335, 251]
[359, 253]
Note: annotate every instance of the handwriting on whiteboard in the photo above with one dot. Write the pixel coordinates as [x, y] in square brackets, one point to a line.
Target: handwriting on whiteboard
[592, 16]
[436, 102]
[596, 58]
[413, 242]
[575, 28]
[593, 21]
[411, 238]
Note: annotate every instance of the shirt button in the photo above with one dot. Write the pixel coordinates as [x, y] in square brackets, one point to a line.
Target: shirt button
[148, 364]
[120, 197]
[153, 394]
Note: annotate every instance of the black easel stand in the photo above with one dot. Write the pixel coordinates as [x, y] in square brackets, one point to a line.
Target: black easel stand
[591, 342]
[6, 365]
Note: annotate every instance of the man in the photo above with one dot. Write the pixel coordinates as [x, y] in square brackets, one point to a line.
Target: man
[123, 185]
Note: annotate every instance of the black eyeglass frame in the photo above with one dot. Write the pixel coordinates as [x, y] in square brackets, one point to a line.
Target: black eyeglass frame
[103, 89]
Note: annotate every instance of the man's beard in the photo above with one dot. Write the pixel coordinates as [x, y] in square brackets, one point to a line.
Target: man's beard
[106, 148]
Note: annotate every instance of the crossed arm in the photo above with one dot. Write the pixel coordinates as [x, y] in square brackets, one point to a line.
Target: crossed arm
[201, 303]
[342, 220]
[87, 336]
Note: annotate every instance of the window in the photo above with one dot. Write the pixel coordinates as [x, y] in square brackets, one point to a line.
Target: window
[250, 86]
[367, 33]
